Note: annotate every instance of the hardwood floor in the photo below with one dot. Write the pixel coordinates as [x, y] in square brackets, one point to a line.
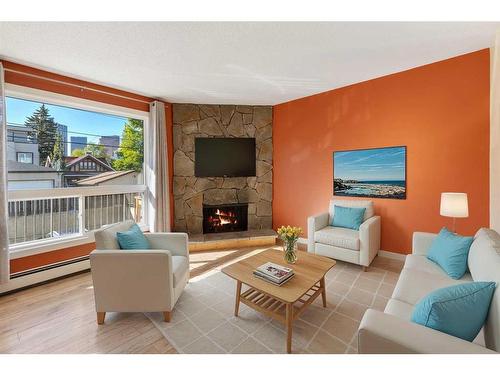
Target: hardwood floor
[59, 317]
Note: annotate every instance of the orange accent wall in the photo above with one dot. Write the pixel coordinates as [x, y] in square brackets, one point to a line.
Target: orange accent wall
[34, 261]
[439, 111]
[39, 260]
[42, 84]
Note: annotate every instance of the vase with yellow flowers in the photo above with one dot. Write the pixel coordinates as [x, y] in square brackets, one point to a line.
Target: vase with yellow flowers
[289, 235]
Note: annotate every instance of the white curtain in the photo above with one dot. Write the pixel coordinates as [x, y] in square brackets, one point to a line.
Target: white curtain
[4, 238]
[158, 184]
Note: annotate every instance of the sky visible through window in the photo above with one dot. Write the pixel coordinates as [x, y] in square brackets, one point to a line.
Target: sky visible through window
[93, 124]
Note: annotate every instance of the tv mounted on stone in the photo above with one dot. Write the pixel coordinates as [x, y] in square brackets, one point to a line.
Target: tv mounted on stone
[224, 157]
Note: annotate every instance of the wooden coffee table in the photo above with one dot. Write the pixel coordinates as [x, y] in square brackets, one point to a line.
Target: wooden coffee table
[284, 303]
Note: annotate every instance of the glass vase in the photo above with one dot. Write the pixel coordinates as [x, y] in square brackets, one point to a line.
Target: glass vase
[290, 251]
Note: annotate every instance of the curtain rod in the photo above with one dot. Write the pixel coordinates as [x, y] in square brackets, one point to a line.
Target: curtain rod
[75, 85]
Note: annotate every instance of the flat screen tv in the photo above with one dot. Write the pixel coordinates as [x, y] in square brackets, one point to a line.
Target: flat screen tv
[224, 157]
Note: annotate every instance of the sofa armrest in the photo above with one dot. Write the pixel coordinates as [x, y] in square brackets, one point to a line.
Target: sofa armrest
[315, 223]
[132, 280]
[422, 242]
[369, 237]
[176, 243]
[381, 333]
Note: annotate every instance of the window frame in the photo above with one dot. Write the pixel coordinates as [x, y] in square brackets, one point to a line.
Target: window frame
[24, 152]
[27, 93]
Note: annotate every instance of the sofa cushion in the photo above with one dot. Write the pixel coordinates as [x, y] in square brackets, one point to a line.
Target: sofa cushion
[400, 309]
[421, 263]
[369, 212]
[180, 266]
[404, 311]
[348, 217]
[413, 285]
[458, 310]
[450, 252]
[340, 237]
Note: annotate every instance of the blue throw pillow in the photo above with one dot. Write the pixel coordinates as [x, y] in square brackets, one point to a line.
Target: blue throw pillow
[450, 252]
[458, 310]
[133, 239]
[348, 217]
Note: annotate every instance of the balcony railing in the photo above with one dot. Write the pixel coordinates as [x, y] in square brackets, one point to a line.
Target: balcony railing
[38, 215]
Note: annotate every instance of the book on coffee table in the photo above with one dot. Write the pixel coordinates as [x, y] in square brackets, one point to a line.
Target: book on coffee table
[274, 273]
[260, 276]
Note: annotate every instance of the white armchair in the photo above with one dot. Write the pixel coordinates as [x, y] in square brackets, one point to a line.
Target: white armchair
[138, 280]
[353, 246]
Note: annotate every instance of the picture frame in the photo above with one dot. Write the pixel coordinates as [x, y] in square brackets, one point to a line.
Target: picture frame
[371, 172]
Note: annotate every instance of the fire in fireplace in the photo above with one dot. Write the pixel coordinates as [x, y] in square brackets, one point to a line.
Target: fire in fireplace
[225, 218]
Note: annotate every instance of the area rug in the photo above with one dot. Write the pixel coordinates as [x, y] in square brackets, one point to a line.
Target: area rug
[203, 320]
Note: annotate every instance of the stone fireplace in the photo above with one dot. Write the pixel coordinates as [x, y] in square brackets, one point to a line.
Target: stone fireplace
[220, 218]
[192, 194]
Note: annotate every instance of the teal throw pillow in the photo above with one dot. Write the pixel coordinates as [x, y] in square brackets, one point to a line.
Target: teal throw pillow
[348, 217]
[458, 310]
[133, 239]
[450, 251]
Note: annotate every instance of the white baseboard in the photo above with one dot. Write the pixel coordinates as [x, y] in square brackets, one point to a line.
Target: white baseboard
[391, 255]
[39, 277]
[382, 253]
[302, 240]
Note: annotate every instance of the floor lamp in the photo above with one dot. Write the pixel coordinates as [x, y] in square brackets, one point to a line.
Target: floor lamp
[454, 205]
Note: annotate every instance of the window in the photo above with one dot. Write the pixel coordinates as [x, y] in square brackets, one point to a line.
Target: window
[54, 136]
[24, 157]
[85, 164]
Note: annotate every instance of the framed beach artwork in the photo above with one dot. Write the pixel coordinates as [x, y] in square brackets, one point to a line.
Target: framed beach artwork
[373, 173]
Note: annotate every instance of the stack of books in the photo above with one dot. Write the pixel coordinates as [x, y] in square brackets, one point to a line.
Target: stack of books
[274, 273]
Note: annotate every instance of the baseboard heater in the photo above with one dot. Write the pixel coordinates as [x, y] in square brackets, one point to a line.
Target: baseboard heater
[40, 275]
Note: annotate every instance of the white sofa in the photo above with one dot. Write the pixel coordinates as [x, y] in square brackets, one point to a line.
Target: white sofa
[358, 247]
[138, 280]
[392, 331]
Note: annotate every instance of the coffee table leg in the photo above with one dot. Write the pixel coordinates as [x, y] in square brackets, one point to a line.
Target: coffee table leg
[323, 292]
[289, 321]
[238, 294]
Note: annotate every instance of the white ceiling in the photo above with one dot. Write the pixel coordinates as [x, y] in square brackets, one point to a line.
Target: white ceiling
[236, 63]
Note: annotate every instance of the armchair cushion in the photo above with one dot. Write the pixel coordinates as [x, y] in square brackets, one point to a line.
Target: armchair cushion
[176, 243]
[105, 238]
[340, 237]
[132, 239]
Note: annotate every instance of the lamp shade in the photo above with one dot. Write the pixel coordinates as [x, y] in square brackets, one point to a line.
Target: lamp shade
[454, 205]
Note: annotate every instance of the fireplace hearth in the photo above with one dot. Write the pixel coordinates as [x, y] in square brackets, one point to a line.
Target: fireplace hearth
[225, 218]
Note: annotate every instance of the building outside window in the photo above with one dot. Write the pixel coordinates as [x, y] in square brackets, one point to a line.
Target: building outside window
[105, 152]
[25, 157]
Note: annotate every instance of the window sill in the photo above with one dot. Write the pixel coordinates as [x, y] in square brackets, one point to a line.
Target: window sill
[45, 246]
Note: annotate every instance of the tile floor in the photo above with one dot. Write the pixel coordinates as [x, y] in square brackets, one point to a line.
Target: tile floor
[203, 320]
